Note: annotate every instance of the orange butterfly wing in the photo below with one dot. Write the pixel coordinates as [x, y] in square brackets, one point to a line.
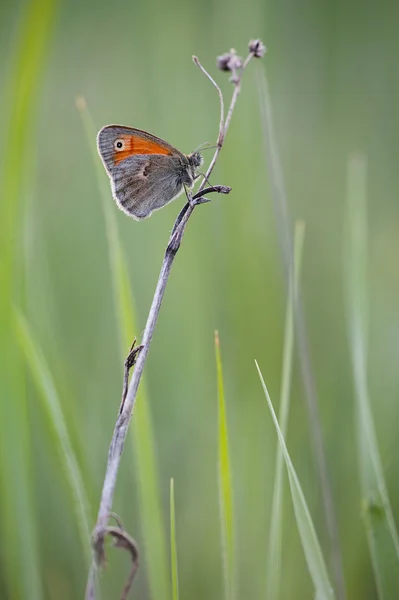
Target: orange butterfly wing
[134, 144]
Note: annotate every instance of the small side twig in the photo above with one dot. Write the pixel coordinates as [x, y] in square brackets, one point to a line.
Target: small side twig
[124, 541]
[121, 540]
[138, 356]
[221, 100]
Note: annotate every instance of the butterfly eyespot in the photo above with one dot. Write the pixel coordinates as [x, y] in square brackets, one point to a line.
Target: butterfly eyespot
[119, 145]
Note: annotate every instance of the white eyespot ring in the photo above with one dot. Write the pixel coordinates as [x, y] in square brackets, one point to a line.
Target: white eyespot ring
[119, 145]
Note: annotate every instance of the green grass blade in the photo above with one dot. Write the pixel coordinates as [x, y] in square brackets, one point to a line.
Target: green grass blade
[378, 517]
[173, 547]
[151, 519]
[123, 300]
[274, 556]
[52, 406]
[225, 484]
[19, 547]
[310, 543]
[280, 203]
[30, 54]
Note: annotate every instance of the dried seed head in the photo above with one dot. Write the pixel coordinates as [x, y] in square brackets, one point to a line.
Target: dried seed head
[257, 48]
[235, 61]
[229, 61]
[222, 62]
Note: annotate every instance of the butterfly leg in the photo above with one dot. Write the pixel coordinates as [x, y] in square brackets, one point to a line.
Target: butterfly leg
[189, 195]
[180, 216]
[183, 210]
[176, 235]
[205, 178]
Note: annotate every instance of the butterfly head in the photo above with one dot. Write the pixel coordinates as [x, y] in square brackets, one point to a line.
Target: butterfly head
[195, 159]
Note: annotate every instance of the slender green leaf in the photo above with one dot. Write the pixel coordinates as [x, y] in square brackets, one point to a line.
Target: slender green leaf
[151, 520]
[22, 91]
[173, 547]
[52, 405]
[276, 522]
[225, 484]
[310, 543]
[378, 517]
[279, 198]
[19, 546]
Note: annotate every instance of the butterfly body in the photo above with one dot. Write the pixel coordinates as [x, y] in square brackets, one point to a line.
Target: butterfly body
[145, 171]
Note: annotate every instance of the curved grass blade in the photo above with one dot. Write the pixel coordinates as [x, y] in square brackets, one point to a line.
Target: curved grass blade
[280, 204]
[51, 404]
[274, 556]
[225, 484]
[173, 547]
[153, 527]
[310, 543]
[19, 550]
[380, 525]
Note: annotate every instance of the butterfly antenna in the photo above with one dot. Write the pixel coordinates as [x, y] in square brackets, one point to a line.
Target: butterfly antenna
[204, 146]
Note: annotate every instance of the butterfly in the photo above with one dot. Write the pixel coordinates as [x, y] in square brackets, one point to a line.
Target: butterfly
[145, 171]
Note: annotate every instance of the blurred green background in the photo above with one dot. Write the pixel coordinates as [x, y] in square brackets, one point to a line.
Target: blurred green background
[334, 84]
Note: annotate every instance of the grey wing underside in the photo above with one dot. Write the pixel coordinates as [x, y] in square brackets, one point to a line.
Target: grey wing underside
[142, 183]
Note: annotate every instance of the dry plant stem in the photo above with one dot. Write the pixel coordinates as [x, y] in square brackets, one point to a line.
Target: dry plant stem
[122, 423]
